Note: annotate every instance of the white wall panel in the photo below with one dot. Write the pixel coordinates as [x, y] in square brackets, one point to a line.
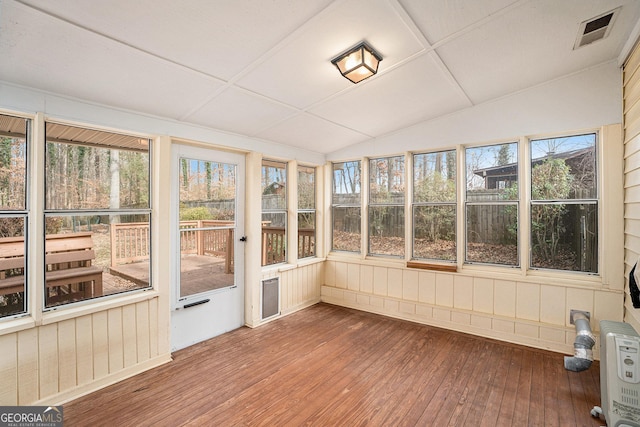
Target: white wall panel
[58, 361]
[68, 361]
[9, 370]
[584, 100]
[525, 311]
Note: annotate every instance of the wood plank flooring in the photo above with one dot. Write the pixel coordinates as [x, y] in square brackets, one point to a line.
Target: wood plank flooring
[332, 366]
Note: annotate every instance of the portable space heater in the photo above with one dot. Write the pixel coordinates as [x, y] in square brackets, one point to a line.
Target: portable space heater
[619, 375]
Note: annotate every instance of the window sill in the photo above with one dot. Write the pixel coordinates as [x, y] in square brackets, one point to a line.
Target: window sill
[17, 324]
[278, 268]
[310, 261]
[547, 277]
[450, 268]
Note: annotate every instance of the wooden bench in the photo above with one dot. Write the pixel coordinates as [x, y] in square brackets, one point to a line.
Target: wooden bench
[11, 265]
[69, 274]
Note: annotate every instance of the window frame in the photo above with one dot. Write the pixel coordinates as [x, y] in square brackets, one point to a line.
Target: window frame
[418, 204]
[308, 210]
[594, 201]
[466, 204]
[280, 210]
[24, 213]
[402, 206]
[48, 212]
[604, 209]
[347, 206]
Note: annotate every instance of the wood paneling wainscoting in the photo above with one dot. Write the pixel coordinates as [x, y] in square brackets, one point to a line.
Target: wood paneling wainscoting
[329, 365]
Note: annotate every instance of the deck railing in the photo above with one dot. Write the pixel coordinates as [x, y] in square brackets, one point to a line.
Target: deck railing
[274, 244]
[130, 242]
[306, 242]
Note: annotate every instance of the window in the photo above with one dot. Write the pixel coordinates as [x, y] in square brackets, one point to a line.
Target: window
[564, 204]
[13, 215]
[434, 206]
[306, 212]
[386, 206]
[97, 214]
[274, 212]
[346, 207]
[491, 205]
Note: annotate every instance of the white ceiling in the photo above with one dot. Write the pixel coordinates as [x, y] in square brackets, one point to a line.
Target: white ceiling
[262, 68]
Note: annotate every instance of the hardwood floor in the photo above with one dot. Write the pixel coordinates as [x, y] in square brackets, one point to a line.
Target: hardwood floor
[331, 366]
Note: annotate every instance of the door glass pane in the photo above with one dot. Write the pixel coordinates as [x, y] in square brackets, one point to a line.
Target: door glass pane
[207, 224]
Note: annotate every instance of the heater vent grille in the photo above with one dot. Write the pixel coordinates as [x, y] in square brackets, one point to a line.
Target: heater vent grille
[270, 291]
[629, 396]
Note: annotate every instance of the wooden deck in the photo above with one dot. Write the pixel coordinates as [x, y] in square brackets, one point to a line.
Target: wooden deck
[199, 273]
[332, 366]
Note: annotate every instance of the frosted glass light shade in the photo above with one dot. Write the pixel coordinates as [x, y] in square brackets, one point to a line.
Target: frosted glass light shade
[358, 63]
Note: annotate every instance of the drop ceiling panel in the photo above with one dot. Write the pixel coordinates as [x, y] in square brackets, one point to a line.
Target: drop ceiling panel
[301, 73]
[418, 91]
[65, 59]
[440, 19]
[219, 37]
[528, 46]
[262, 68]
[238, 111]
[312, 133]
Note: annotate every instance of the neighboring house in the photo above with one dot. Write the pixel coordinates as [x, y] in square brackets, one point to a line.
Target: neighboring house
[501, 177]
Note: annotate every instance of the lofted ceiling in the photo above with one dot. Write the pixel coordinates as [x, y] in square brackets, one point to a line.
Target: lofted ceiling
[262, 68]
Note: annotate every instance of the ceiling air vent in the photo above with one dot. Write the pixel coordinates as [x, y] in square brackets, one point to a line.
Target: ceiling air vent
[595, 29]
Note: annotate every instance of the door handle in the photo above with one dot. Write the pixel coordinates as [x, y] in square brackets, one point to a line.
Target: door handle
[204, 301]
[243, 239]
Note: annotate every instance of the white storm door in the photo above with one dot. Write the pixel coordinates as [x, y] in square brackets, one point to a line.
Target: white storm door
[207, 227]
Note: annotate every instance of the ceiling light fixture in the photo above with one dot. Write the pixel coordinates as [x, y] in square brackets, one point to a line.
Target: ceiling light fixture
[358, 63]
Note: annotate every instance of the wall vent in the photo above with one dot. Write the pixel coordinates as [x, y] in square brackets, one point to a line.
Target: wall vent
[270, 290]
[595, 29]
